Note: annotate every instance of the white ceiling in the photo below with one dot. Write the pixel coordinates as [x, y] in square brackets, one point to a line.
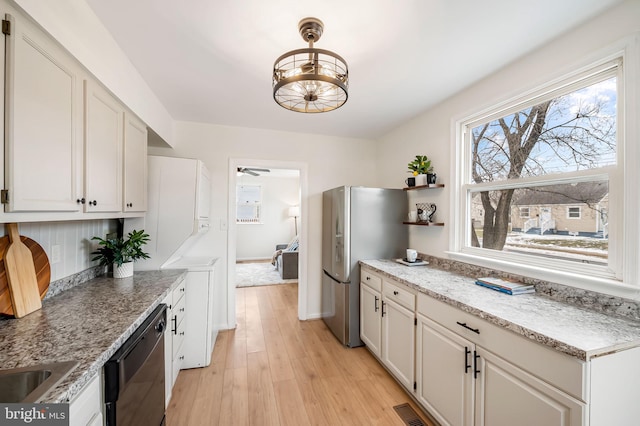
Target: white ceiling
[211, 60]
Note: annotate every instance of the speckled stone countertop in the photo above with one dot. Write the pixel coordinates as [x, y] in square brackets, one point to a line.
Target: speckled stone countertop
[86, 323]
[566, 328]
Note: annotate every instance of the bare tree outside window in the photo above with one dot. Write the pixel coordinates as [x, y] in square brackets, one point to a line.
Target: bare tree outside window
[567, 134]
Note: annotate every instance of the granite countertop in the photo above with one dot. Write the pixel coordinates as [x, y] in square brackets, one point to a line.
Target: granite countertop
[86, 323]
[573, 330]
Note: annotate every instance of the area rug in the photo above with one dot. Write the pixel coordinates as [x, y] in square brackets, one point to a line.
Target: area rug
[254, 274]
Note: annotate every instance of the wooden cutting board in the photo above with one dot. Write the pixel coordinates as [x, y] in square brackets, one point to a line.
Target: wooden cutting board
[24, 274]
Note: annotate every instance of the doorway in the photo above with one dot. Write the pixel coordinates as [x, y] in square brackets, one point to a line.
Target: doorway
[267, 211]
[270, 218]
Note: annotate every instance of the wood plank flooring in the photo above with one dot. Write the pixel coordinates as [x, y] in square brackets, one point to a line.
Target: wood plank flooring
[276, 370]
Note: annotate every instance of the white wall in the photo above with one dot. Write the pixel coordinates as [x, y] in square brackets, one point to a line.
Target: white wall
[258, 241]
[74, 25]
[430, 133]
[73, 239]
[330, 162]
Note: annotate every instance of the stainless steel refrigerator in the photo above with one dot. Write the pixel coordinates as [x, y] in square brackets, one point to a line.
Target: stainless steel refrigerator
[357, 224]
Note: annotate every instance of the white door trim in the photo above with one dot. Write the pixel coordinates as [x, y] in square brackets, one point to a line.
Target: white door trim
[234, 163]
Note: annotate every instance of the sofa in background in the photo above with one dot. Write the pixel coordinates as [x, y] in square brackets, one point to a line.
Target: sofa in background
[285, 259]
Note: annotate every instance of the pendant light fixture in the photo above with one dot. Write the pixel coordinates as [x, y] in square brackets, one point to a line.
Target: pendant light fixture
[310, 80]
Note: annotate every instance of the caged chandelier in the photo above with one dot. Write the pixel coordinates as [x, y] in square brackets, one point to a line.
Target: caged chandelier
[310, 80]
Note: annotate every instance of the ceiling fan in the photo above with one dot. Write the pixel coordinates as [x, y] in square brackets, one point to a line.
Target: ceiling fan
[253, 171]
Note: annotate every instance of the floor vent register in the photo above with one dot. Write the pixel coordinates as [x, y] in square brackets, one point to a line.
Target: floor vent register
[408, 415]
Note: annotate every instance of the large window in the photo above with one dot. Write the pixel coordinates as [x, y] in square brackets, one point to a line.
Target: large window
[535, 166]
[248, 204]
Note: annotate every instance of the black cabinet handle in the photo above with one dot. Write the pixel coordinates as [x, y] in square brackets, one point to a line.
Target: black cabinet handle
[376, 304]
[467, 366]
[175, 324]
[475, 364]
[368, 278]
[93, 203]
[383, 303]
[395, 293]
[464, 324]
[81, 201]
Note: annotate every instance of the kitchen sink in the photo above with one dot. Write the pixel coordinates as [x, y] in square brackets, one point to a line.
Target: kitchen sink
[30, 384]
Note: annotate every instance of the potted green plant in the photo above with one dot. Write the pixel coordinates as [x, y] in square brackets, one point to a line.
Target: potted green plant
[121, 252]
[420, 167]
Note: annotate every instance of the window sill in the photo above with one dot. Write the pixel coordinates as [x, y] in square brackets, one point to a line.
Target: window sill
[585, 282]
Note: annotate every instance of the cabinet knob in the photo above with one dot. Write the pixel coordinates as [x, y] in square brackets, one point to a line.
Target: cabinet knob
[93, 203]
[395, 292]
[81, 200]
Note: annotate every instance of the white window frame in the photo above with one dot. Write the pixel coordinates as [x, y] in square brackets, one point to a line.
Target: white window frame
[622, 276]
[528, 216]
[574, 217]
[257, 206]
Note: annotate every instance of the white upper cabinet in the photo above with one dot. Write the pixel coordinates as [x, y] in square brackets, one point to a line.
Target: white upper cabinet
[103, 142]
[43, 122]
[71, 149]
[135, 164]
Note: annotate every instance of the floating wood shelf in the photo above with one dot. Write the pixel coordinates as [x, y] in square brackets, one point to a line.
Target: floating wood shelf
[429, 186]
[425, 223]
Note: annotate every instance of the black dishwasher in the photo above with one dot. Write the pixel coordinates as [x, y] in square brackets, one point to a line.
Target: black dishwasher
[134, 376]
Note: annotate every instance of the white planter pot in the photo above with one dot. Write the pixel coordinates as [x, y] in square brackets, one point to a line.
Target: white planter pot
[421, 180]
[124, 271]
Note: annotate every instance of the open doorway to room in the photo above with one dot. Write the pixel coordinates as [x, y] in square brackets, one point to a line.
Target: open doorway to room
[267, 212]
[266, 228]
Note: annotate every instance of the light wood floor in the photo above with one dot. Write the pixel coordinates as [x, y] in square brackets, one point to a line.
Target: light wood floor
[276, 370]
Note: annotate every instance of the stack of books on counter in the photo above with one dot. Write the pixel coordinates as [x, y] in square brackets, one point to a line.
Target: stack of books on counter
[505, 286]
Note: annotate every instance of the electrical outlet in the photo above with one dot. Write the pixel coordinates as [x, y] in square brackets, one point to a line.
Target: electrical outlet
[55, 254]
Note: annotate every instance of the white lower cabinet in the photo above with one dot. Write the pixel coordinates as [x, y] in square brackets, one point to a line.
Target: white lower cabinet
[174, 337]
[370, 314]
[444, 373]
[507, 395]
[387, 325]
[470, 372]
[398, 333]
[460, 383]
[200, 334]
[85, 409]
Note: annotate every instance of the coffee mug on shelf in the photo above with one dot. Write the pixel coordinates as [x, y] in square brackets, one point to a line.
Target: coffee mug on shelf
[410, 181]
[412, 255]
